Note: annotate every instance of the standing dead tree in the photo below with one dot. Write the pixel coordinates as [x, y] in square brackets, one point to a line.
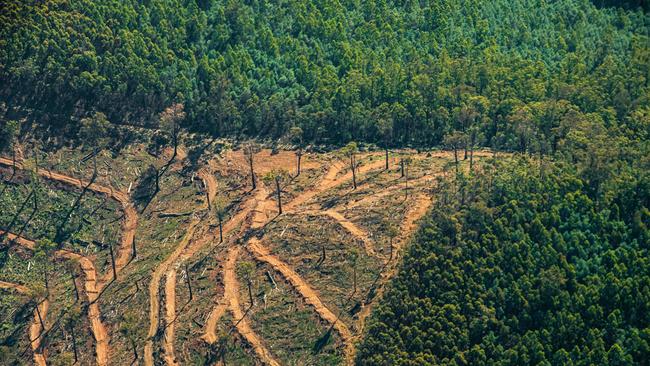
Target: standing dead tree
[250, 149]
[60, 231]
[296, 137]
[219, 207]
[279, 177]
[350, 152]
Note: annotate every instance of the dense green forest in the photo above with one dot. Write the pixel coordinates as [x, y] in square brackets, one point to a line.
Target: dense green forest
[523, 264]
[510, 74]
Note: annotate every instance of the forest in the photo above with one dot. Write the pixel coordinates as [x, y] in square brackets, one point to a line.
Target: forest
[474, 187]
[511, 75]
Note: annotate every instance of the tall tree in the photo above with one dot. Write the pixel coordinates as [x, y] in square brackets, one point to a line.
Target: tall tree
[349, 152]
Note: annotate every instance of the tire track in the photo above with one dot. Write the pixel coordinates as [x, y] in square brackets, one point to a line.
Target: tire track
[91, 290]
[420, 207]
[124, 252]
[35, 328]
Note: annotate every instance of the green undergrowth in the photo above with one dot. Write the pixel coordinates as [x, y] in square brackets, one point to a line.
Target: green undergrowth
[290, 328]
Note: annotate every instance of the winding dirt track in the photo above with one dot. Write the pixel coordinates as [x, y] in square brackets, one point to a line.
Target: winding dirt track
[230, 300]
[91, 290]
[154, 289]
[253, 215]
[188, 251]
[357, 232]
[35, 328]
[35, 331]
[14, 286]
[418, 209]
[93, 285]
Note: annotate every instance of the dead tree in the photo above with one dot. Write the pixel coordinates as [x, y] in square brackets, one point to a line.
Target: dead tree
[74, 342]
[74, 282]
[220, 210]
[250, 149]
[350, 152]
[189, 283]
[60, 230]
[277, 176]
[110, 247]
[134, 252]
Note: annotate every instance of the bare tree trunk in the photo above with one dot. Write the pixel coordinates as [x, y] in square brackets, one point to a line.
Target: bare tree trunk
[456, 158]
[250, 162]
[471, 158]
[277, 186]
[175, 138]
[299, 156]
[386, 150]
[110, 247]
[354, 171]
[401, 166]
[134, 251]
[189, 283]
[390, 250]
[13, 161]
[40, 318]
[74, 282]
[250, 293]
[220, 229]
[47, 282]
[135, 350]
[158, 173]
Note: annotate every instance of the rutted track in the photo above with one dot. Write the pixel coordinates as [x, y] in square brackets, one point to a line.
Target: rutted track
[35, 328]
[91, 290]
[188, 251]
[94, 286]
[154, 289]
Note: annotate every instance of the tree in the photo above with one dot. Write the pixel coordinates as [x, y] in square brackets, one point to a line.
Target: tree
[455, 141]
[169, 121]
[277, 176]
[43, 252]
[349, 152]
[95, 131]
[8, 133]
[219, 206]
[392, 231]
[129, 329]
[406, 161]
[246, 273]
[296, 137]
[250, 149]
[385, 127]
[474, 134]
